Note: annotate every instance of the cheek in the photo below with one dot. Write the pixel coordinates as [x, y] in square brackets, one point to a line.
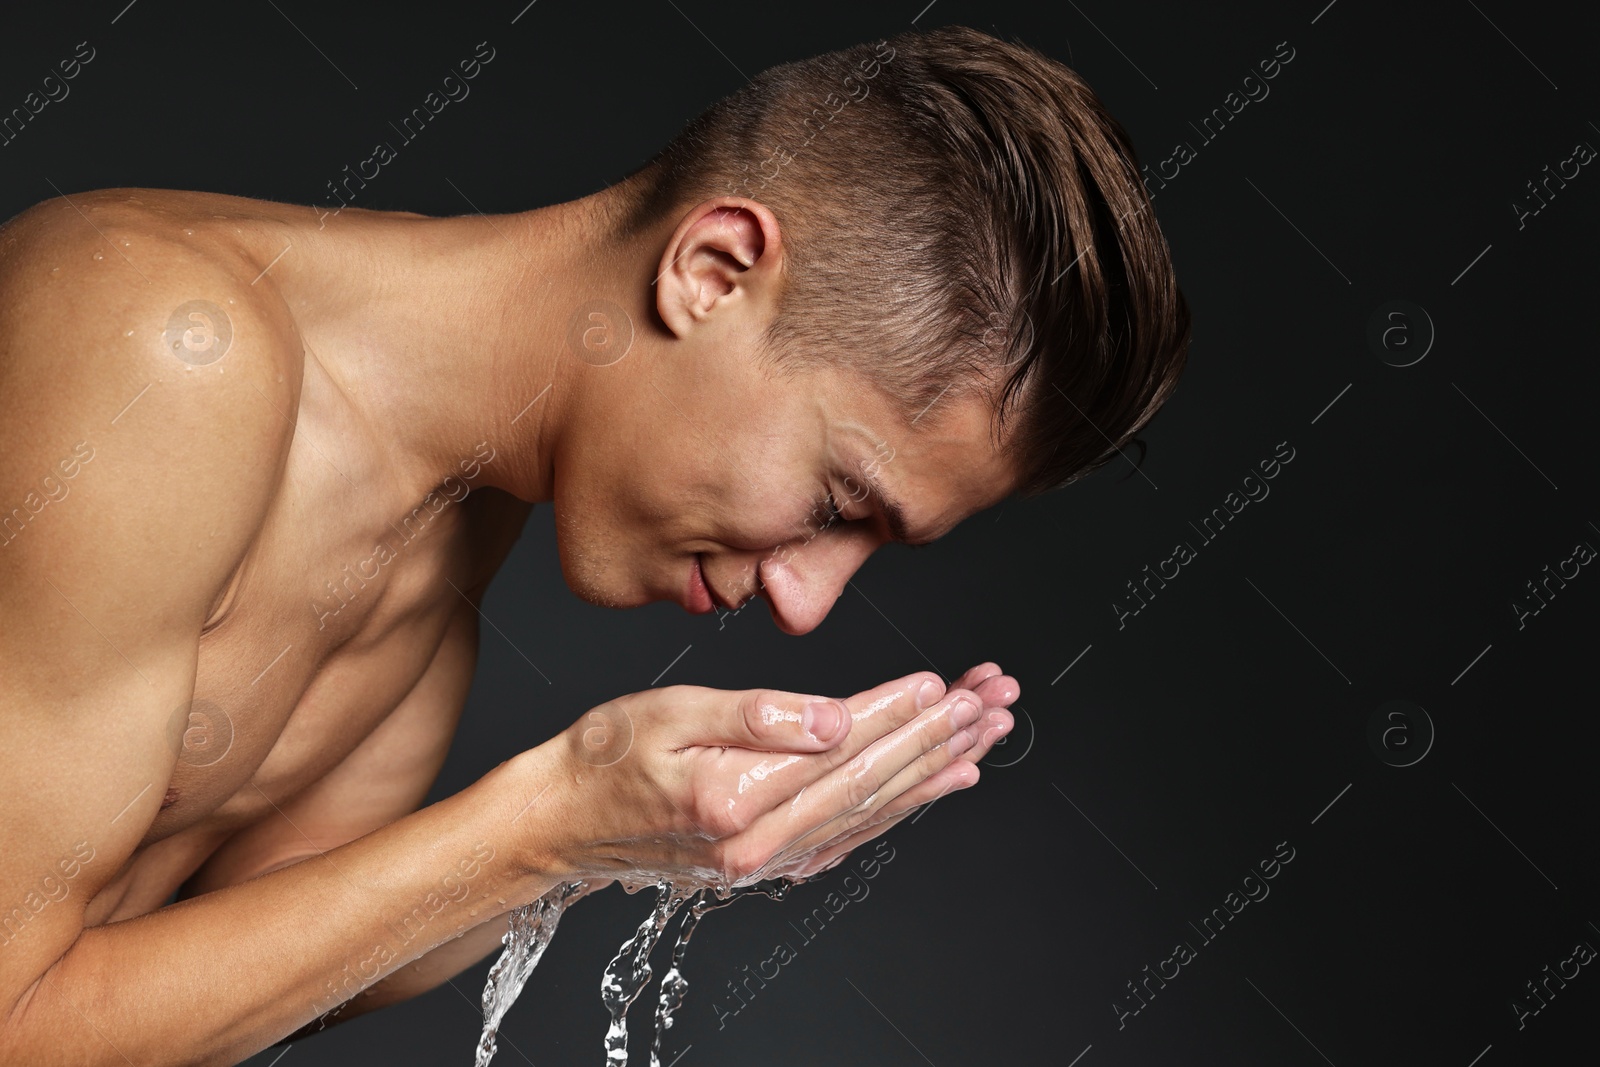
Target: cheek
[760, 520]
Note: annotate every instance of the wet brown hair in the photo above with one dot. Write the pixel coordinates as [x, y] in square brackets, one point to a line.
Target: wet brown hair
[959, 212]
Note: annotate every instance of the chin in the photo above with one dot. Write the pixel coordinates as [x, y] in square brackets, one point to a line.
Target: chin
[591, 577]
[596, 589]
[600, 569]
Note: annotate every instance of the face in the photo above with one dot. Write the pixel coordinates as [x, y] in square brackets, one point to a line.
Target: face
[764, 486]
[692, 472]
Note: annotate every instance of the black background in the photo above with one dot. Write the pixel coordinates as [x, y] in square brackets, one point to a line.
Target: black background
[1232, 713]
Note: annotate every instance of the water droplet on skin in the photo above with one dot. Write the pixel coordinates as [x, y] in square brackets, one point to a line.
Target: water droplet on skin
[230, 299]
[99, 255]
[55, 270]
[188, 232]
[128, 333]
[126, 243]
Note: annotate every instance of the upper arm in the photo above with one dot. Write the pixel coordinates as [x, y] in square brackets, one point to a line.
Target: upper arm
[130, 484]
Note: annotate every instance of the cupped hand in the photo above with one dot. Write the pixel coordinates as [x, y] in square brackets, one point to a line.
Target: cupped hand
[726, 787]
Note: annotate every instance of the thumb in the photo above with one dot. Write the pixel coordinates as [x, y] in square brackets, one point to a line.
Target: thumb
[767, 720]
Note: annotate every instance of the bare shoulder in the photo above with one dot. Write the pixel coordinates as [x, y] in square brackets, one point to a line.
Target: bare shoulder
[150, 391]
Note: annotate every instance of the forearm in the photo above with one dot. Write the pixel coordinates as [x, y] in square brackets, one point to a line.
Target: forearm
[440, 965]
[218, 977]
[423, 973]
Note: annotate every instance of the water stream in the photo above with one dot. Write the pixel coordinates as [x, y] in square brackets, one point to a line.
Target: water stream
[629, 971]
[532, 927]
[674, 986]
[625, 976]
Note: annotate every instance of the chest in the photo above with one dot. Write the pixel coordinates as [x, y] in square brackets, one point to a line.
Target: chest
[325, 627]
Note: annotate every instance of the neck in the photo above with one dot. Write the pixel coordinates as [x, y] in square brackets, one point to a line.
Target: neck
[446, 333]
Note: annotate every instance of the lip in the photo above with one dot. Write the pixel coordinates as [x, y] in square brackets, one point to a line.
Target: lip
[698, 596]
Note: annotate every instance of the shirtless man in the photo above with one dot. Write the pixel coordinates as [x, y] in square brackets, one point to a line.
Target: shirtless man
[259, 463]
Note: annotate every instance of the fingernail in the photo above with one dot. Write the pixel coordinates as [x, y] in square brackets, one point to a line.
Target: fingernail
[821, 719]
[960, 743]
[964, 711]
[929, 694]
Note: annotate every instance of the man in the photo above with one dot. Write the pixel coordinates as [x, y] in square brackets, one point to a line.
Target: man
[259, 464]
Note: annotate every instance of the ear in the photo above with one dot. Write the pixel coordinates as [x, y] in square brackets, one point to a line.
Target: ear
[726, 256]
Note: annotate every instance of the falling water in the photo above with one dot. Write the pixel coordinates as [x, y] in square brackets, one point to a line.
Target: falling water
[532, 927]
[673, 984]
[629, 970]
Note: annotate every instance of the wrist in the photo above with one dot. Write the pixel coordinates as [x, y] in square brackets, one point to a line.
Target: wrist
[523, 793]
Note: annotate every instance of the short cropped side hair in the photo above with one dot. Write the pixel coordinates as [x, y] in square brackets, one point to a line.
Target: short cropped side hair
[959, 213]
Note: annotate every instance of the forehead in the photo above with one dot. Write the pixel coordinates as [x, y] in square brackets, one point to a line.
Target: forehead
[936, 466]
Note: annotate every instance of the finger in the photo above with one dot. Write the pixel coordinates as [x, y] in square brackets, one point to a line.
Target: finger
[957, 775]
[908, 791]
[998, 691]
[735, 787]
[996, 724]
[850, 794]
[968, 745]
[766, 720]
[880, 711]
[872, 715]
[975, 676]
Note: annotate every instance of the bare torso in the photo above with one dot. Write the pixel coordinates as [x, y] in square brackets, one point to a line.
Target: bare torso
[240, 591]
[333, 665]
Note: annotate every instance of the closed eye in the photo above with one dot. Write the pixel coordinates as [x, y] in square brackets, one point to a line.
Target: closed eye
[836, 515]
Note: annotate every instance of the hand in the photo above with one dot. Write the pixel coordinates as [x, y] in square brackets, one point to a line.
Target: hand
[715, 787]
[998, 691]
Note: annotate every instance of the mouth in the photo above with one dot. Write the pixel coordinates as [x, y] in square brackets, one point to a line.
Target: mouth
[697, 598]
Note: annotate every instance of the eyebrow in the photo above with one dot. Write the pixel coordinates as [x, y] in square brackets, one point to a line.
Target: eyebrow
[896, 519]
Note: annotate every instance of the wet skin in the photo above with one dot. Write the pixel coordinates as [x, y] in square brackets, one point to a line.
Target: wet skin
[191, 559]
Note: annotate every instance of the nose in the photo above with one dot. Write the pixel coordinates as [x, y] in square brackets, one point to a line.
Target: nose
[801, 581]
